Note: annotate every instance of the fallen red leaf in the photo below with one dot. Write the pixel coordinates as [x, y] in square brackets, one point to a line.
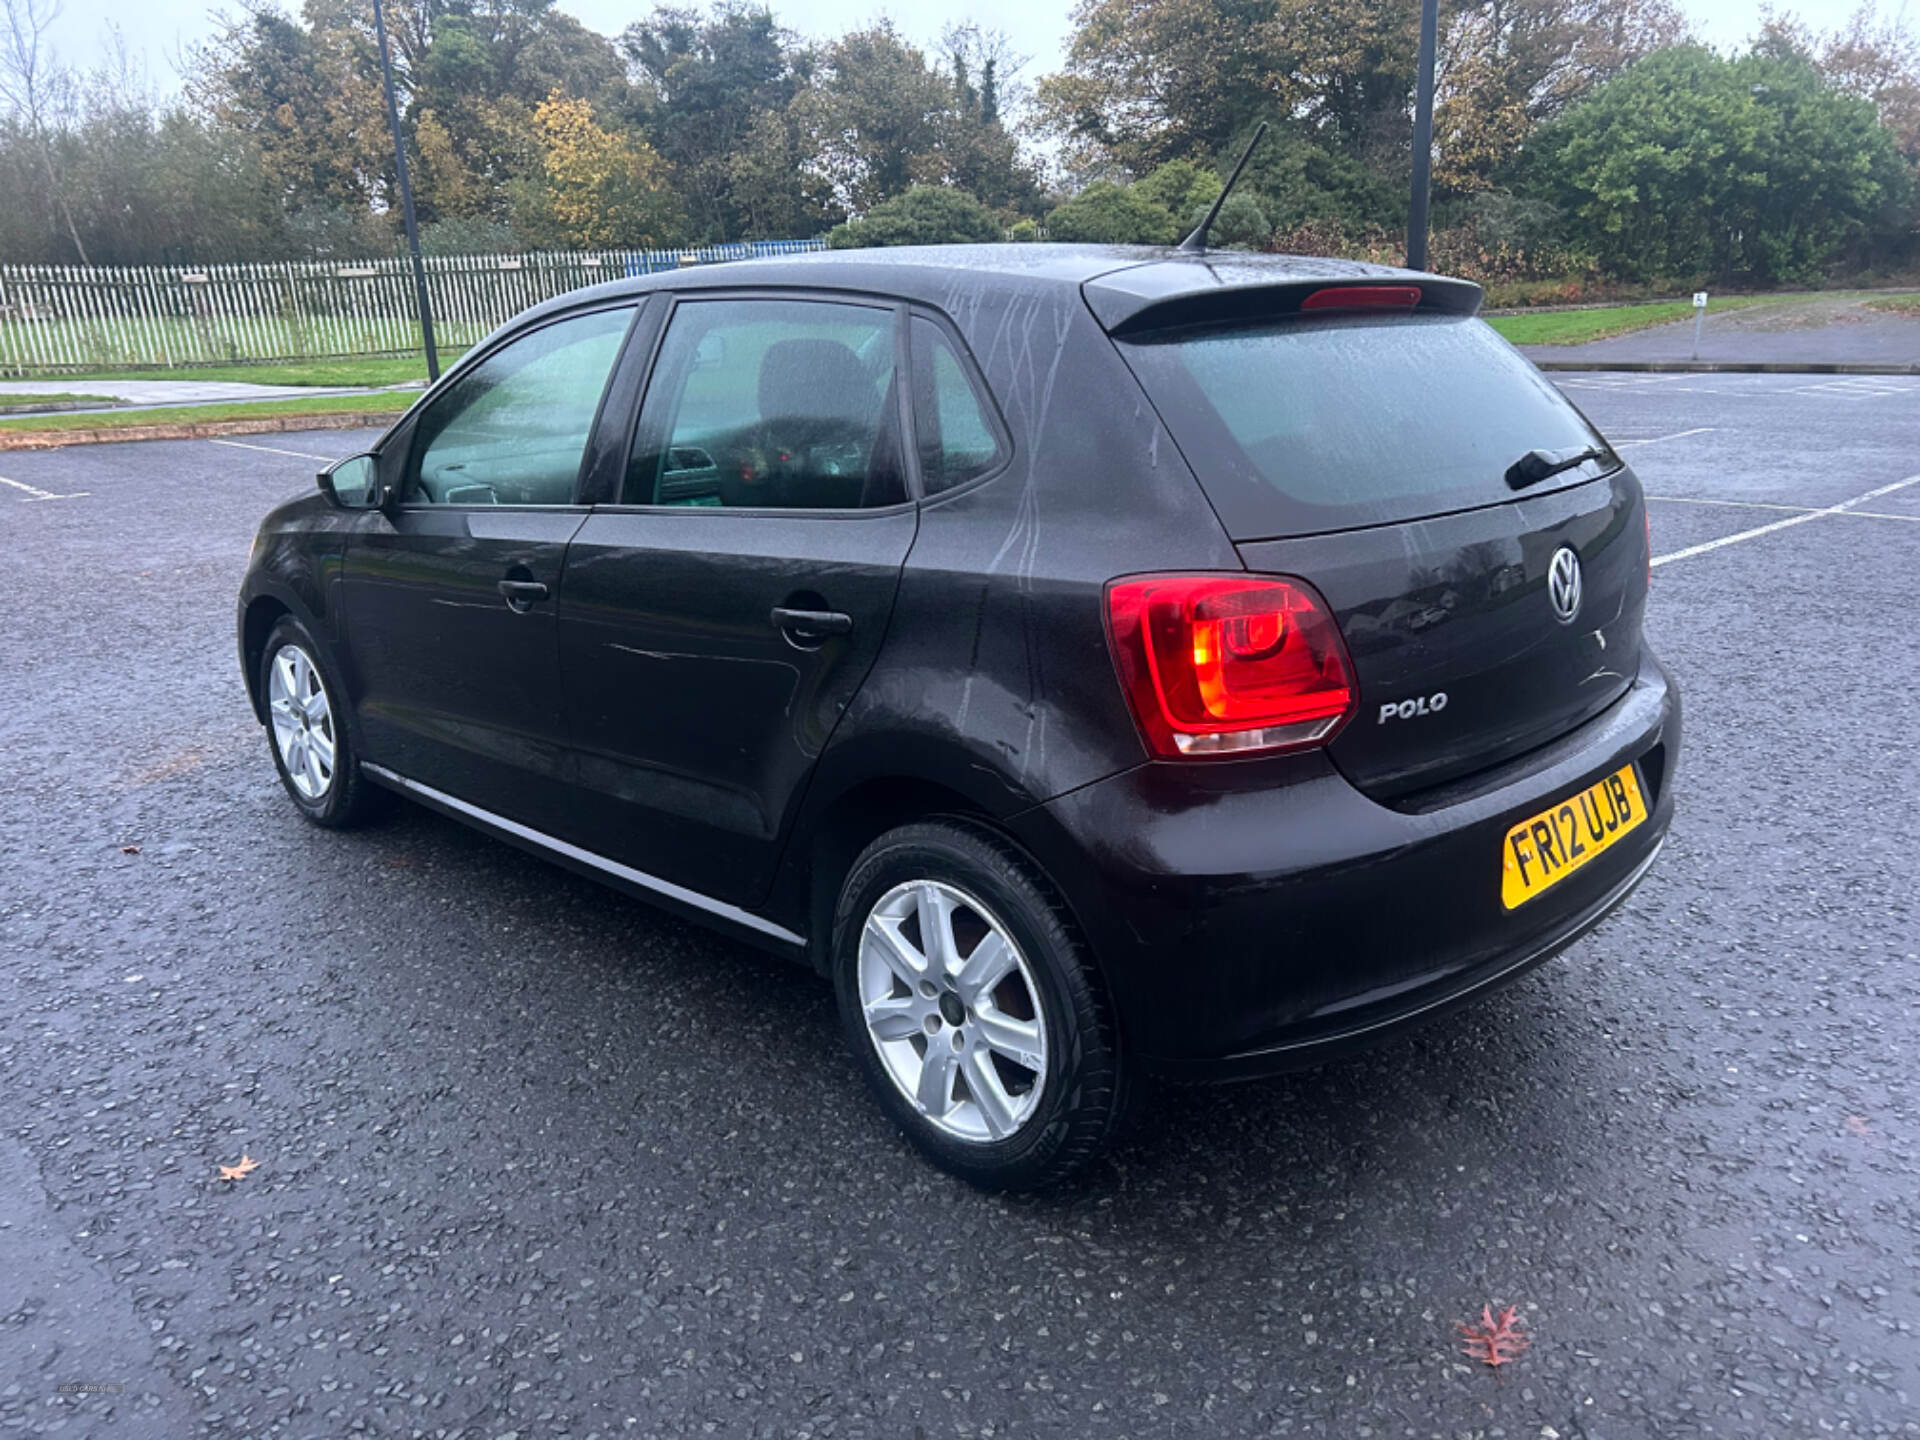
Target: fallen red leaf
[129, 849]
[1496, 1340]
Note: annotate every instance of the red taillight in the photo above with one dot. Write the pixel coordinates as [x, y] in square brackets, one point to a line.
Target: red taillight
[1363, 297]
[1228, 664]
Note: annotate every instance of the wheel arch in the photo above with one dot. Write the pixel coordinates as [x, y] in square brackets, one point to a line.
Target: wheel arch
[263, 612]
[856, 817]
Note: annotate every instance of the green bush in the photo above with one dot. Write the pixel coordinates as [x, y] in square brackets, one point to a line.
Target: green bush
[1024, 232]
[924, 215]
[1242, 222]
[1106, 214]
[1181, 188]
[1300, 178]
[1693, 165]
[1187, 191]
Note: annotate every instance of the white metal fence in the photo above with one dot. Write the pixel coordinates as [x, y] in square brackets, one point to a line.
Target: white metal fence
[56, 318]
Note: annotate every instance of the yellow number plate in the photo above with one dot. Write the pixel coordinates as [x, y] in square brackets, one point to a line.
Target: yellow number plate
[1545, 849]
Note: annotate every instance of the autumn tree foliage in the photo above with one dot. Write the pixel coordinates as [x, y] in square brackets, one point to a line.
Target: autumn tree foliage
[596, 186]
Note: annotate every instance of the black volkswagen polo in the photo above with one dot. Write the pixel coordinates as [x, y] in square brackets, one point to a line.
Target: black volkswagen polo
[1093, 661]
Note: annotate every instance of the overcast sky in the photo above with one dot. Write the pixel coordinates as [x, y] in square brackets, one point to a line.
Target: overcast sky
[159, 29]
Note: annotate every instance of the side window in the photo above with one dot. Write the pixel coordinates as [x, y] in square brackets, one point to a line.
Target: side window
[512, 430]
[956, 441]
[783, 403]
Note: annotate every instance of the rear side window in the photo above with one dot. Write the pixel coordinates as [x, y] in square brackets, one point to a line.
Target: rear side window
[956, 440]
[784, 404]
[1301, 426]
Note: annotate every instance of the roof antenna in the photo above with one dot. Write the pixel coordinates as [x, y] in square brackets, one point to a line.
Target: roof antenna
[1196, 243]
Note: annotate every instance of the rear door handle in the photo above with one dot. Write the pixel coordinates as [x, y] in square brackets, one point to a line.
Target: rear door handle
[523, 594]
[811, 625]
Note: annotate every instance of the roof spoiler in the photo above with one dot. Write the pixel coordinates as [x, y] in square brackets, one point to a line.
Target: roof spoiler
[1221, 288]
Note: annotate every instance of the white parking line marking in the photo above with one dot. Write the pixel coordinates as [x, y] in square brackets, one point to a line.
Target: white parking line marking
[297, 454]
[1842, 508]
[1657, 439]
[35, 493]
[1768, 505]
[1623, 382]
[1849, 388]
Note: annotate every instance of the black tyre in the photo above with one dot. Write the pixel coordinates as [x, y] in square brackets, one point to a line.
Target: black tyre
[972, 1008]
[307, 730]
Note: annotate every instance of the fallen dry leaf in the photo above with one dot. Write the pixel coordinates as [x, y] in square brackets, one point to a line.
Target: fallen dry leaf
[1496, 1340]
[1857, 1124]
[129, 849]
[235, 1172]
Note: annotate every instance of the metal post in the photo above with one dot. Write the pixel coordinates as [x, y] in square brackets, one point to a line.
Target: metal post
[406, 196]
[1422, 138]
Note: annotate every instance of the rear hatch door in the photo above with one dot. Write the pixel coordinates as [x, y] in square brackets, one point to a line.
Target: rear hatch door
[1369, 452]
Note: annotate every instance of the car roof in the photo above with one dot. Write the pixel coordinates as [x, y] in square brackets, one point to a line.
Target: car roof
[1120, 282]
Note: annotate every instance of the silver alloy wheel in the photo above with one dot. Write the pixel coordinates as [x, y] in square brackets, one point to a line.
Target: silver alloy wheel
[302, 720]
[953, 1010]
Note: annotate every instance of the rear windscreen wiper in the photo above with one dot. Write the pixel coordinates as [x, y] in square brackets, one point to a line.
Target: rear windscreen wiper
[1536, 465]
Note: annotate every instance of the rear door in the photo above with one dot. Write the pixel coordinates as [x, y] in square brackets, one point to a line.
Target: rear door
[450, 591]
[719, 613]
[1369, 454]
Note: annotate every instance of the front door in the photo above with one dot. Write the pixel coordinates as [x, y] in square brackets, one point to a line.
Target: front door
[715, 622]
[450, 591]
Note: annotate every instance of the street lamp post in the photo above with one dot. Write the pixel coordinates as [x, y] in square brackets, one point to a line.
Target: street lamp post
[1422, 138]
[406, 196]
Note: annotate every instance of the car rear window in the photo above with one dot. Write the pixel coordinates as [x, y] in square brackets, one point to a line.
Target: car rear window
[1300, 426]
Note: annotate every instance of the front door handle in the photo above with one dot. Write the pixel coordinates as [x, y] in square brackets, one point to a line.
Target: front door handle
[810, 627]
[522, 595]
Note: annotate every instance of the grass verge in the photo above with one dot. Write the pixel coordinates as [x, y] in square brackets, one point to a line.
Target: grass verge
[1574, 327]
[379, 370]
[1898, 305]
[275, 411]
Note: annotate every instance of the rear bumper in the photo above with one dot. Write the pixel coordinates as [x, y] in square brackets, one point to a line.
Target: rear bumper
[1263, 916]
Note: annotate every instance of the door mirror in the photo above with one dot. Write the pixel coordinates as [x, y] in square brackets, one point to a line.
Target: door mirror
[353, 483]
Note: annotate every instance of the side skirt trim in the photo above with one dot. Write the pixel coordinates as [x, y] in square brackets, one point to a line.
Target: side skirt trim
[624, 876]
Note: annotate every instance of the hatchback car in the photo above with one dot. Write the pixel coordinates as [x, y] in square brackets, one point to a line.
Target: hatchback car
[1095, 661]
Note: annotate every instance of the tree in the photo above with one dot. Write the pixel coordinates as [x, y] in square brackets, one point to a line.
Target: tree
[469, 75]
[872, 117]
[1148, 81]
[597, 187]
[1511, 65]
[716, 91]
[137, 181]
[308, 99]
[1109, 214]
[1877, 60]
[978, 152]
[1690, 164]
[31, 82]
[771, 193]
[924, 215]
